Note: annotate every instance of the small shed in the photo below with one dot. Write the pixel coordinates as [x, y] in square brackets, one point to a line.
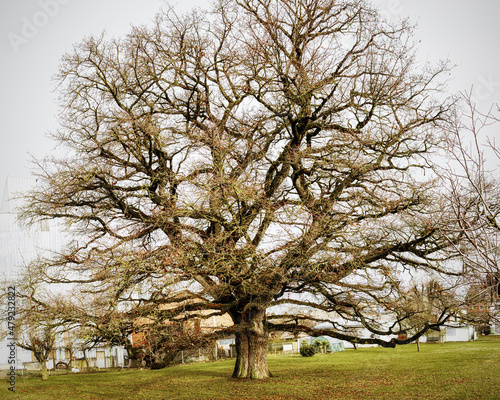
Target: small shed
[450, 333]
[460, 333]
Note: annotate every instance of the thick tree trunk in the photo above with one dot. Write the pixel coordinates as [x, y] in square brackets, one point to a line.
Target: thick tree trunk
[251, 344]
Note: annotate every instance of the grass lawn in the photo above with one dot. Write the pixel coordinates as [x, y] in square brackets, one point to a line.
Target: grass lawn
[452, 371]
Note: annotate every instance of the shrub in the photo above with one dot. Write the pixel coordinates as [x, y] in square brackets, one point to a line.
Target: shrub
[306, 350]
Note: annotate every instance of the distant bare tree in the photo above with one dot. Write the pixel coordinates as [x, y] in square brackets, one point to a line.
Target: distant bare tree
[38, 317]
[474, 198]
[428, 304]
[39, 338]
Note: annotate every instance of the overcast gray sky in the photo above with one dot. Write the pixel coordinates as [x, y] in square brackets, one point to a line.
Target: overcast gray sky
[34, 34]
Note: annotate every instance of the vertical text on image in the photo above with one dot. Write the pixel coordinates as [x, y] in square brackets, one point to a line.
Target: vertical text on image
[11, 338]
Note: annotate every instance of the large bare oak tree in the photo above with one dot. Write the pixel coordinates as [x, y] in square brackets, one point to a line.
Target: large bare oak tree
[265, 153]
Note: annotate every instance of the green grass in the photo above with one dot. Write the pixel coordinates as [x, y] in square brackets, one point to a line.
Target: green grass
[452, 371]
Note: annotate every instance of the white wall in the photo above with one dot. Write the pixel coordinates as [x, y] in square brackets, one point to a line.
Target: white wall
[459, 334]
[19, 245]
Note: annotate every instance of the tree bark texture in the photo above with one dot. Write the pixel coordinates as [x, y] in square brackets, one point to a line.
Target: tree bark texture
[251, 344]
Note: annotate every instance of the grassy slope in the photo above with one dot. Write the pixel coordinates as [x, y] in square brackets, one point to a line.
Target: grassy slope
[452, 371]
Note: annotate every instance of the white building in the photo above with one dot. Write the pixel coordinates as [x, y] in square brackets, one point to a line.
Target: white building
[20, 244]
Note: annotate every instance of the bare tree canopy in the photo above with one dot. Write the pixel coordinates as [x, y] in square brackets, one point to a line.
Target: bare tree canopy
[265, 153]
[473, 197]
[474, 183]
